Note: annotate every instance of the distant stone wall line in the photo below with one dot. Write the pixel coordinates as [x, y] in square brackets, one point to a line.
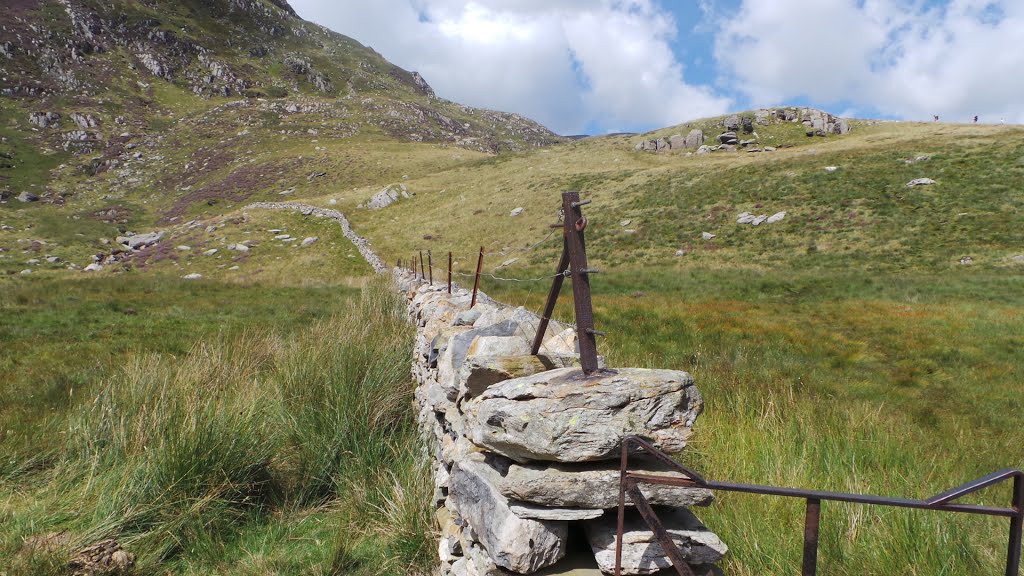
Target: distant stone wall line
[361, 244]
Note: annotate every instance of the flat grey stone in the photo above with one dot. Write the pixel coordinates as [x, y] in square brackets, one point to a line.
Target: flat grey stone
[562, 416]
[533, 511]
[592, 484]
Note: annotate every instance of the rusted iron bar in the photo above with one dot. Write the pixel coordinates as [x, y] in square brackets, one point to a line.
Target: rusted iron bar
[423, 276]
[973, 486]
[620, 530]
[667, 545]
[824, 495]
[449, 272]
[811, 523]
[549, 306]
[574, 225]
[476, 280]
[430, 268]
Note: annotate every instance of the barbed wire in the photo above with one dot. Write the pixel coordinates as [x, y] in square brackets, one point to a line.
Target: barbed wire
[565, 274]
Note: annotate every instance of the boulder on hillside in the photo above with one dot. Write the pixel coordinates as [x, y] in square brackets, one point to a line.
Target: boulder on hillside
[676, 142]
[139, 241]
[695, 139]
[389, 196]
[44, 119]
[731, 123]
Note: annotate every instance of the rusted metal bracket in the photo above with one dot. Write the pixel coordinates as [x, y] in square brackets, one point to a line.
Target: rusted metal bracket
[549, 306]
[662, 535]
[944, 502]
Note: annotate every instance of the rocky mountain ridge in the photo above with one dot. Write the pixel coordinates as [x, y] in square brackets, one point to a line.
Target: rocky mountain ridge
[87, 82]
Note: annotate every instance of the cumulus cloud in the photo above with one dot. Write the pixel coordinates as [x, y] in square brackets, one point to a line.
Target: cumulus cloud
[569, 64]
[902, 58]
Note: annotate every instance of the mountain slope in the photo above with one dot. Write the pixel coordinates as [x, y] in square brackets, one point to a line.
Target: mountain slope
[83, 78]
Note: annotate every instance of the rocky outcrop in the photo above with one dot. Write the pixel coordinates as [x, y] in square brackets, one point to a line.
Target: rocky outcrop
[301, 67]
[44, 119]
[817, 122]
[526, 446]
[748, 218]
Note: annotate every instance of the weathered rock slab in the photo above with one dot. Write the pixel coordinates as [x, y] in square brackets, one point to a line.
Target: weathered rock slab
[592, 485]
[480, 372]
[518, 544]
[563, 416]
[641, 551]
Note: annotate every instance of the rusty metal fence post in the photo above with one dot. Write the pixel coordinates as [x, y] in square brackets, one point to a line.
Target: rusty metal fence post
[449, 272]
[812, 521]
[430, 268]
[476, 280]
[574, 225]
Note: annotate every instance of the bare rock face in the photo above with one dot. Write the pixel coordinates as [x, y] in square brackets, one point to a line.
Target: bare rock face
[592, 485]
[641, 551]
[517, 544]
[562, 416]
[695, 139]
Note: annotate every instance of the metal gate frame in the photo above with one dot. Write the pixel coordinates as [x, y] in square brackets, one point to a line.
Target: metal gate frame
[630, 482]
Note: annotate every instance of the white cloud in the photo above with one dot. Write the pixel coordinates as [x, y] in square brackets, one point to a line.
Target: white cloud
[910, 59]
[565, 63]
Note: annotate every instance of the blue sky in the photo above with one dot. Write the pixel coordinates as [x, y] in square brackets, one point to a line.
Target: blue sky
[594, 66]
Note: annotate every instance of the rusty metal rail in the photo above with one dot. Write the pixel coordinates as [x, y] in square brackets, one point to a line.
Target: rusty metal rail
[629, 483]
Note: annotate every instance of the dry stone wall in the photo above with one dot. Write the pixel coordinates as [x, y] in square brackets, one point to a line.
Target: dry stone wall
[525, 448]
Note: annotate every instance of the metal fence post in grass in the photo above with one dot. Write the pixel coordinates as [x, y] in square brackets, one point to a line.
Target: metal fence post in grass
[449, 272]
[811, 523]
[430, 268]
[423, 275]
[476, 280]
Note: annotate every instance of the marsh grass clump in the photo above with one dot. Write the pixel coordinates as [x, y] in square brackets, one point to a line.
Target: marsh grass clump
[183, 459]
